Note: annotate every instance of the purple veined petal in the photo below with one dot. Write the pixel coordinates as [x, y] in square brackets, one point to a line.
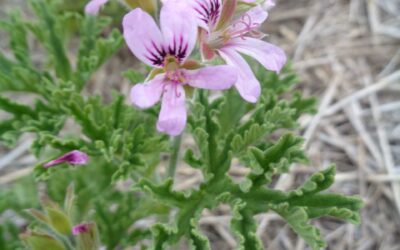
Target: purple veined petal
[270, 56]
[93, 7]
[147, 94]
[81, 228]
[249, 21]
[199, 8]
[172, 117]
[144, 38]
[75, 157]
[247, 84]
[207, 12]
[179, 28]
[212, 77]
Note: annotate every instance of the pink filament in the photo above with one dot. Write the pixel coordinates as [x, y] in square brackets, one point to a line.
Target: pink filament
[249, 27]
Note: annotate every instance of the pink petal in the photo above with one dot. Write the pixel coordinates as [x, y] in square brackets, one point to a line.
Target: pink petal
[144, 37]
[75, 157]
[179, 28]
[147, 94]
[212, 77]
[255, 17]
[269, 3]
[93, 7]
[207, 12]
[269, 55]
[172, 118]
[247, 84]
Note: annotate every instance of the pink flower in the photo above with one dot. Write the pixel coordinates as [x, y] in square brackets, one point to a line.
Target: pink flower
[231, 39]
[81, 228]
[93, 7]
[75, 157]
[168, 48]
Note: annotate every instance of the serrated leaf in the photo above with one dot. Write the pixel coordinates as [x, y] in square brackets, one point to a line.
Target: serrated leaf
[298, 221]
[197, 240]
[53, 42]
[244, 227]
[318, 182]
[164, 192]
[277, 158]
[162, 235]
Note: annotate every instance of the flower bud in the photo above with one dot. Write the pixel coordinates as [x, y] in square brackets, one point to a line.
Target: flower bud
[93, 7]
[75, 157]
[40, 241]
[88, 238]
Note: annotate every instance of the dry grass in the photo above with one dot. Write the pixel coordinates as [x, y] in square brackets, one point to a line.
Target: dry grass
[348, 55]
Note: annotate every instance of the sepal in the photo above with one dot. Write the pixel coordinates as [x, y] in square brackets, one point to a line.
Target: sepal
[39, 241]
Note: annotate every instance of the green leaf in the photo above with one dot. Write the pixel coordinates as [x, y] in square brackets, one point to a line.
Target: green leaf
[164, 192]
[53, 43]
[162, 234]
[277, 158]
[134, 76]
[297, 219]
[245, 227]
[318, 182]
[197, 240]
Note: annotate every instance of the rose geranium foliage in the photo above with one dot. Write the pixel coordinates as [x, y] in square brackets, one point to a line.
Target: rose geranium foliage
[105, 174]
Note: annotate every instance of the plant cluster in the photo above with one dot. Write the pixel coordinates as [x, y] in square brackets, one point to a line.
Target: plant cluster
[252, 124]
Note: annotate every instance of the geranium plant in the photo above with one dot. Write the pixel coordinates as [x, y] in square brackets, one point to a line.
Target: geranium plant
[210, 76]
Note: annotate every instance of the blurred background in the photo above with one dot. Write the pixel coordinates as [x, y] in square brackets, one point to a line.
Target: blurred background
[347, 54]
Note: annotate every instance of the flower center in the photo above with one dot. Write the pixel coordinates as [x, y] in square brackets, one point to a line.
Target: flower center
[171, 63]
[176, 77]
[172, 70]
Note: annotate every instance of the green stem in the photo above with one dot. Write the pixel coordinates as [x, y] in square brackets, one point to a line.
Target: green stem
[174, 156]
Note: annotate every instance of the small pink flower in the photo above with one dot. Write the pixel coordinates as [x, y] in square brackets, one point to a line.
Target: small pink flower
[81, 228]
[93, 7]
[75, 157]
[238, 37]
[167, 48]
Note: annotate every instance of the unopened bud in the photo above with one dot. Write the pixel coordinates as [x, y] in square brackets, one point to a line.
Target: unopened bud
[74, 157]
[88, 237]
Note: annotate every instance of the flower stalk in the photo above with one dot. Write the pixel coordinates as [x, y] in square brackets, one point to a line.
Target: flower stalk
[173, 161]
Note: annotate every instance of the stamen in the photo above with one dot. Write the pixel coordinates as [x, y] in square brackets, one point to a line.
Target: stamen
[177, 94]
[248, 24]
